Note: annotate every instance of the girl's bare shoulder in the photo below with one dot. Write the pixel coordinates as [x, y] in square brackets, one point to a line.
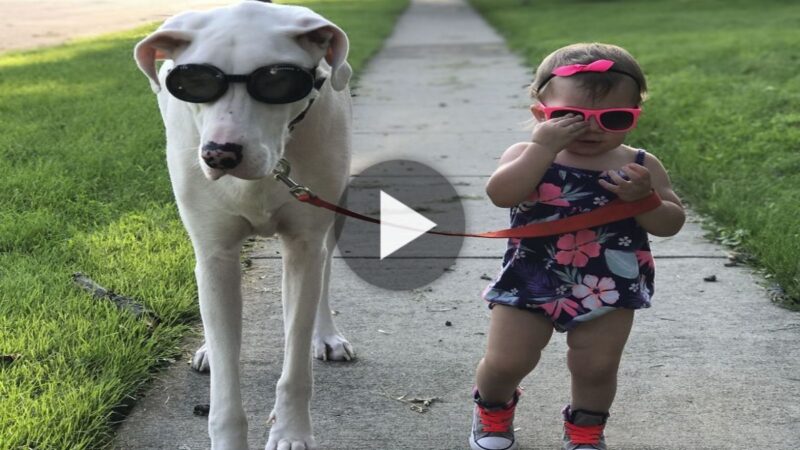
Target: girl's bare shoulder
[650, 160]
[628, 153]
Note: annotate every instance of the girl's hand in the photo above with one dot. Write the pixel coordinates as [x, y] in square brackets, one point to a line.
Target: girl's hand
[638, 185]
[555, 134]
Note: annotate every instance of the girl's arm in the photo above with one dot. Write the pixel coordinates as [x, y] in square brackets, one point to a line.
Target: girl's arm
[523, 165]
[667, 219]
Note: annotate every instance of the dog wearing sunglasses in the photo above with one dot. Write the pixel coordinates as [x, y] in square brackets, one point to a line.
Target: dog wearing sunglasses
[242, 86]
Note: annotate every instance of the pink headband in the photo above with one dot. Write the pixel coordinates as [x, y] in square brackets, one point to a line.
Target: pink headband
[601, 65]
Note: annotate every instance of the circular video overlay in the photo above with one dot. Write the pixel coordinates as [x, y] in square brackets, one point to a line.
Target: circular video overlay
[409, 198]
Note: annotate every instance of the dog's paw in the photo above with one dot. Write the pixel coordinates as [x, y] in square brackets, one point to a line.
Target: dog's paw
[290, 444]
[290, 422]
[200, 360]
[333, 347]
[278, 442]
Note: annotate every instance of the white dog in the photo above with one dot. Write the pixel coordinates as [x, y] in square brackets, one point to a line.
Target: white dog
[239, 86]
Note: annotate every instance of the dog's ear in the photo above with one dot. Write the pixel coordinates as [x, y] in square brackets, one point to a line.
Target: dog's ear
[162, 44]
[336, 45]
[317, 32]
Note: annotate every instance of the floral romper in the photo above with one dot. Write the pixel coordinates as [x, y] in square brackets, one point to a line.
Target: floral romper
[574, 277]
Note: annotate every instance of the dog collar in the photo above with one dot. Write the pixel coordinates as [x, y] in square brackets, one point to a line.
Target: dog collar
[317, 87]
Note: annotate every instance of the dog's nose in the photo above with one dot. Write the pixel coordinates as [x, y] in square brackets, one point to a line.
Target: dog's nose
[222, 156]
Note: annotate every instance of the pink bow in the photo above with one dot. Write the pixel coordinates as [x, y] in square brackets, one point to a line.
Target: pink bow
[601, 65]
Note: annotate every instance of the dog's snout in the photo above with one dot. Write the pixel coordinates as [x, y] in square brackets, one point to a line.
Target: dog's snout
[222, 156]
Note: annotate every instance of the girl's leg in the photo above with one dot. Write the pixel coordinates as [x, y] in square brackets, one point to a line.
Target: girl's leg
[516, 340]
[595, 350]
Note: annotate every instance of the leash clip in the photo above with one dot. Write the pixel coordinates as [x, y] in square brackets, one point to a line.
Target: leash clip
[281, 173]
[301, 192]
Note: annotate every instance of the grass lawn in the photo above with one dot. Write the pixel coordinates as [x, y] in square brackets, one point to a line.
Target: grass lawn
[724, 107]
[85, 188]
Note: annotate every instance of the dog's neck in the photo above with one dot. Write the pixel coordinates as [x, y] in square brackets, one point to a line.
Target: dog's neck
[317, 86]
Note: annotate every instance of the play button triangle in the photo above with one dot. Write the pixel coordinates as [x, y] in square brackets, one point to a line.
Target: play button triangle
[412, 225]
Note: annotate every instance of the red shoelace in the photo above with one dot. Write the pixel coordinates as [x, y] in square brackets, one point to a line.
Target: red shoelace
[584, 434]
[496, 421]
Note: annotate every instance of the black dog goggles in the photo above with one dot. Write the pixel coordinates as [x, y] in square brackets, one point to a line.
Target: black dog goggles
[204, 83]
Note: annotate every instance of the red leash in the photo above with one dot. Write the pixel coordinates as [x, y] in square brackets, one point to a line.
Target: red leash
[614, 211]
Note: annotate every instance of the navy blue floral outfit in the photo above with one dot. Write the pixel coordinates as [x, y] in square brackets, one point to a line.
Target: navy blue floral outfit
[574, 277]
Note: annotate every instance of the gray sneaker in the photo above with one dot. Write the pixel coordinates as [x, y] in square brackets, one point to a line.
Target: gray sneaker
[493, 426]
[583, 430]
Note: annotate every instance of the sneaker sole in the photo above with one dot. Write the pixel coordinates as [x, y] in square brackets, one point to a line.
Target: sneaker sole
[474, 445]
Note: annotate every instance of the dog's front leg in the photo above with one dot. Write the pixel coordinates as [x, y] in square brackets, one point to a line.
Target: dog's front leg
[219, 287]
[303, 262]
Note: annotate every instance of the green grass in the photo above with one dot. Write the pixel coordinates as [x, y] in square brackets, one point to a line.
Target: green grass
[724, 107]
[85, 188]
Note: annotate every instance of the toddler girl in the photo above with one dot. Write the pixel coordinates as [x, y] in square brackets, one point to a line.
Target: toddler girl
[586, 283]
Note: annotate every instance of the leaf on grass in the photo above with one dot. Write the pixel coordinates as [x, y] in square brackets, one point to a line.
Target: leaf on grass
[122, 302]
[10, 358]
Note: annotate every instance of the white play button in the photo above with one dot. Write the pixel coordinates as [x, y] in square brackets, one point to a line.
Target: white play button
[400, 257]
[411, 225]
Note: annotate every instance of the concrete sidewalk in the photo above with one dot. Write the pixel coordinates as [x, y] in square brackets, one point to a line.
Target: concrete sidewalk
[710, 366]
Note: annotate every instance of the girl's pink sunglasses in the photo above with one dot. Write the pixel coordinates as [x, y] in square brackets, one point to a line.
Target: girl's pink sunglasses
[614, 120]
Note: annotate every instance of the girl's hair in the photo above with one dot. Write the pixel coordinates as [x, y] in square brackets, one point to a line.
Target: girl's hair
[597, 83]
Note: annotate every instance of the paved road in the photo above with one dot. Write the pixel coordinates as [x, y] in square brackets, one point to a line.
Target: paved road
[25, 24]
[710, 366]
